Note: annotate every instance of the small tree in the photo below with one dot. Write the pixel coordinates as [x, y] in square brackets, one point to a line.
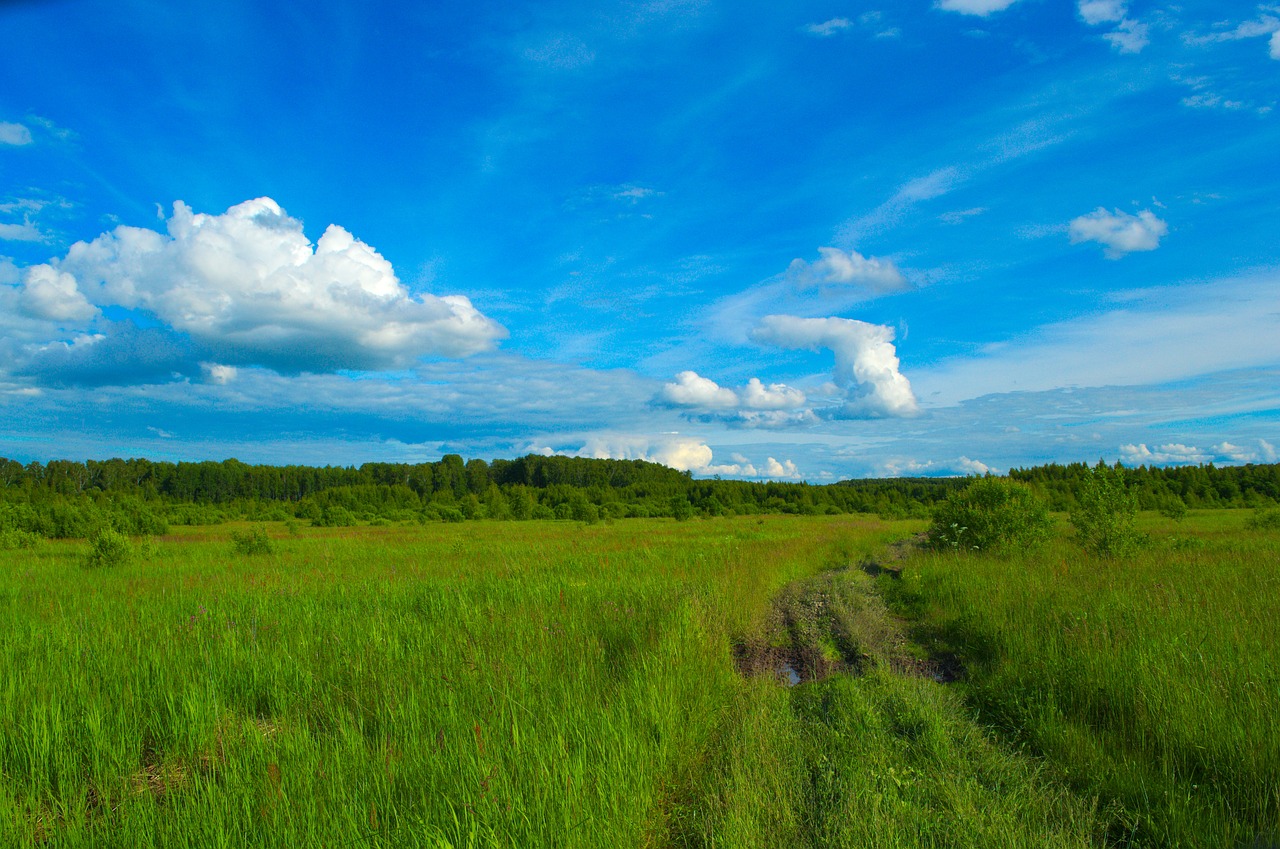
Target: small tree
[253, 541]
[990, 514]
[108, 547]
[1105, 512]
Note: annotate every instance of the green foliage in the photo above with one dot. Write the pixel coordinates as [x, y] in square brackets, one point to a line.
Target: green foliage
[252, 541]
[1105, 512]
[1264, 520]
[1173, 507]
[681, 509]
[991, 514]
[15, 538]
[108, 548]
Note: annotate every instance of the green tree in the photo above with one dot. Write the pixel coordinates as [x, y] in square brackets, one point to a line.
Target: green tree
[1105, 512]
[991, 514]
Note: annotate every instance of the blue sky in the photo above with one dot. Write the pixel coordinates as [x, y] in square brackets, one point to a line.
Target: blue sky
[794, 241]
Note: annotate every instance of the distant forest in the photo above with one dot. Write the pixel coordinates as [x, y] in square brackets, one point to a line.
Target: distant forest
[66, 499]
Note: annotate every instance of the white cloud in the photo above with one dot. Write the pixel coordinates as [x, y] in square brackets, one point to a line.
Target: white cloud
[959, 216]
[51, 295]
[1265, 25]
[785, 469]
[1120, 232]
[1129, 36]
[1170, 454]
[852, 268]
[249, 285]
[24, 232]
[1096, 12]
[829, 28]
[14, 134]
[775, 396]
[682, 453]
[866, 362]
[692, 390]
[1267, 450]
[898, 467]
[1212, 101]
[981, 8]
[218, 374]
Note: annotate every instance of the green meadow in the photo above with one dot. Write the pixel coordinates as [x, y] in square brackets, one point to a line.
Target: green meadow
[624, 684]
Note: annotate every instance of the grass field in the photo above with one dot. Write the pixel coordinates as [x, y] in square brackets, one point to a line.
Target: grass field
[555, 684]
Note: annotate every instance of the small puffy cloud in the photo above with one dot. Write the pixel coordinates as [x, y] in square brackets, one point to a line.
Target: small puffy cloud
[682, 453]
[249, 287]
[866, 362]
[1174, 453]
[962, 466]
[775, 469]
[1275, 45]
[1267, 451]
[14, 134]
[49, 294]
[692, 390]
[1096, 12]
[981, 8]
[829, 28]
[1120, 232]
[1129, 36]
[775, 396]
[218, 374]
[852, 268]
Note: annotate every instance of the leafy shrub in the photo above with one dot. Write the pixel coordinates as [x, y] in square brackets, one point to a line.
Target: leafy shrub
[991, 514]
[1105, 512]
[681, 509]
[1265, 520]
[1173, 508]
[12, 539]
[252, 541]
[108, 548]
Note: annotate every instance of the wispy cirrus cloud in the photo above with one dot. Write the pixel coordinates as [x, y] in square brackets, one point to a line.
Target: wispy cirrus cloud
[981, 8]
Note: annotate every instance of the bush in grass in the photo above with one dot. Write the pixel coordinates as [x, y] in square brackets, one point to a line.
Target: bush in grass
[108, 548]
[1173, 507]
[1105, 512]
[12, 539]
[990, 514]
[252, 541]
[1265, 520]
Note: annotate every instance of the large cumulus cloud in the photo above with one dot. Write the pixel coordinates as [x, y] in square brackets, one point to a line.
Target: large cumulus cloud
[248, 287]
[866, 367]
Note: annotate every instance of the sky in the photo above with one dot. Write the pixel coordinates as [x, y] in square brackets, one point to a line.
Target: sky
[793, 241]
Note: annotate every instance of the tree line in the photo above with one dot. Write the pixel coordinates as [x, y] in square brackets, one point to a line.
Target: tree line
[64, 498]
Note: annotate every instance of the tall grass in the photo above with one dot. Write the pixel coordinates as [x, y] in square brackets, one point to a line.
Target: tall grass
[1152, 680]
[482, 685]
